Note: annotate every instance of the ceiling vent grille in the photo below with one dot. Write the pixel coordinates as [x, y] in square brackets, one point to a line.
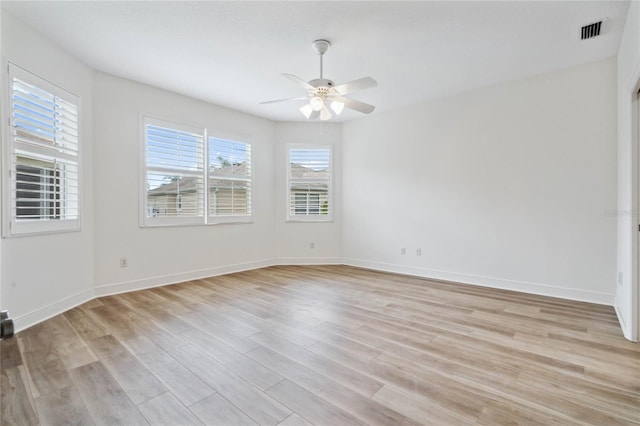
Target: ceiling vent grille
[591, 30]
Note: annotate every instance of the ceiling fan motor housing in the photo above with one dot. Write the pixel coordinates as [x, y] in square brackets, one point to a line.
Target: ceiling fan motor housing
[323, 88]
[321, 82]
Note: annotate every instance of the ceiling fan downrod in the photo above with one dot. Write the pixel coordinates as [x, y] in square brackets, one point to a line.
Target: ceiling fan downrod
[321, 46]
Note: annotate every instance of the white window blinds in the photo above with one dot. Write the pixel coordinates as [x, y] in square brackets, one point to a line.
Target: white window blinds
[309, 183]
[44, 157]
[190, 182]
[229, 178]
[174, 177]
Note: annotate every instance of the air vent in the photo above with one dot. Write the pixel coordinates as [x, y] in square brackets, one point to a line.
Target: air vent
[591, 30]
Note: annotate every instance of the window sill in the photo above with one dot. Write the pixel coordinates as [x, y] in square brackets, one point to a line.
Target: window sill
[314, 219]
[172, 223]
[37, 228]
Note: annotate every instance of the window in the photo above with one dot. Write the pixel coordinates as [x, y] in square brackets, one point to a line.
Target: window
[309, 183]
[229, 179]
[43, 192]
[174, 174]
[182, 189]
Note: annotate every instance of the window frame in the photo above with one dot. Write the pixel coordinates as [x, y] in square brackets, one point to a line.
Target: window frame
[12, 226]
[159, 221]
[233, 218]
[291, 194]
[206, 219]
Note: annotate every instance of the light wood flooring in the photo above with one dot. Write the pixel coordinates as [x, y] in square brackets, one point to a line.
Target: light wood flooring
[323, 345]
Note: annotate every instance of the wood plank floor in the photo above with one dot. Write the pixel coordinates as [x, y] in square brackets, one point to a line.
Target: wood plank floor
[323, 345]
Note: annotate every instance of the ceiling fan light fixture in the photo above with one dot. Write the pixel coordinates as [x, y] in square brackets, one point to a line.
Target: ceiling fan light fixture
[316, 103]
[325, 114]
[337, 107]
[324, 98]
[306, 110]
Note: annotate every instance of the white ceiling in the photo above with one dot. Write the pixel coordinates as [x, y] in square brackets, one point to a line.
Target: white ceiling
[232, 53]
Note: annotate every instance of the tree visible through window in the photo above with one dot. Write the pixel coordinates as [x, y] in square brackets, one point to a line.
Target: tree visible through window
[189, 181]
[229, 178]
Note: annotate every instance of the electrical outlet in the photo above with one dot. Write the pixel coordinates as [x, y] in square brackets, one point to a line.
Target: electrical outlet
[620, 278]
[123, 262]
[418, 252]
[403, 251]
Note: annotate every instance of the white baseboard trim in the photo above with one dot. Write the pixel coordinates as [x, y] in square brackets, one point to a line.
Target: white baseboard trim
[623, 325]
[521, 286]
[308, 261]
[627, 331]
[49, 311]
[123, 287]
[63, 305]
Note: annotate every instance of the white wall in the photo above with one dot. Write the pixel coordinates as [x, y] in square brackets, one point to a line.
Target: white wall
[3, 83]
[628, 77]
[170, 254]
[44, 275]
[505, 186]
[293, 239]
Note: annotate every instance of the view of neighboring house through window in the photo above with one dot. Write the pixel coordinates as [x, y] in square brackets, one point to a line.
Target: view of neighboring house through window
[306, 203]
[190, 182]
[229, 178]
[36, 194]
[309, 183]
[44, 161]
[174, 173]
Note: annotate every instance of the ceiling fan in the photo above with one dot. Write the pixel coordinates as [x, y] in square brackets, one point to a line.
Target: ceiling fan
[323, 94]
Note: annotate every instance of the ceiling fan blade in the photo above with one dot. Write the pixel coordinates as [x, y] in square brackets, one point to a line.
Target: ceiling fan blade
[355, 85]
[298, 81]
[283, 100]
[355, 105]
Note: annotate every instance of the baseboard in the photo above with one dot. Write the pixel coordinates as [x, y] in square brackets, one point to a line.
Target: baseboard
[627, 331]
[623, 325]
[308, 261]
[53, 309]
[123, 287]
[521, 286]
[56, 308]
[70, 302]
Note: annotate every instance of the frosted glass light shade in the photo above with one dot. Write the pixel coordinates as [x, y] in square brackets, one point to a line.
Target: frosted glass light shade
[337, 107]
[325, 114]
[316, 103]
[306, 110]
